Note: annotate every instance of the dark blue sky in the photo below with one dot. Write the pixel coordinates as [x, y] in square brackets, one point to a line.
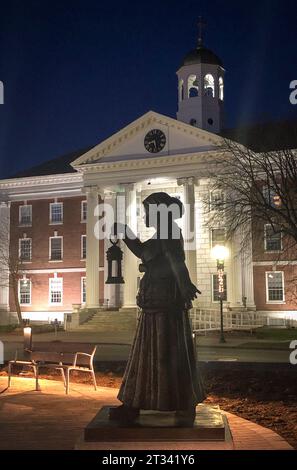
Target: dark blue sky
[76, 71]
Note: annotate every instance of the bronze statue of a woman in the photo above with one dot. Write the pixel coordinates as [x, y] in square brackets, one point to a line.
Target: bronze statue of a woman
[161, 373]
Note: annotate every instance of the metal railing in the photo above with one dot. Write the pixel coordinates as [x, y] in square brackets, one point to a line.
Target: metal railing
[204, 320]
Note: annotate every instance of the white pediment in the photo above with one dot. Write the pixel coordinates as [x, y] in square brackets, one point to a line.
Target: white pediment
[128, 143]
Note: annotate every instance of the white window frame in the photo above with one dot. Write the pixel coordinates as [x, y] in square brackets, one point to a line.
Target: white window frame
[20, 242]
[51, 222]
[82, 211]
[19, 292]
[50, 290]
[82, 238]
[267, 291]
[212, 288]
[265, 241]
[50, 249]
[82, 279]
[28, 224]
[211, 239]
[221, 88]
[211, 205]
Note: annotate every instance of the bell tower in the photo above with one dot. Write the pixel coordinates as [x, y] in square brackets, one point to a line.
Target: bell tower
[201, 87]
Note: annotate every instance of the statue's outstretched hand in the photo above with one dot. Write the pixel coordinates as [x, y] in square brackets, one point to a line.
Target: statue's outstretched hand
[190, 292]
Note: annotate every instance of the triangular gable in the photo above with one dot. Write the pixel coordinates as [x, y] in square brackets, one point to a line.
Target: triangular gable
[128, 143]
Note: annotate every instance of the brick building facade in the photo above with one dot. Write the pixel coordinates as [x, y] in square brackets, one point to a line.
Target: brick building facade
[48, 213]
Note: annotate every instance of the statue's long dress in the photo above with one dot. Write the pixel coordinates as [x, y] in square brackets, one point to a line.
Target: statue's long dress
[162, 373]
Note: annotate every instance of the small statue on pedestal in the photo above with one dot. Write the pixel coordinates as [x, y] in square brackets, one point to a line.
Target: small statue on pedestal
[161, 373]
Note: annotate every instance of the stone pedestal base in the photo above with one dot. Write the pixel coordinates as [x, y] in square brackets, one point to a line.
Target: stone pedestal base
[209, 425]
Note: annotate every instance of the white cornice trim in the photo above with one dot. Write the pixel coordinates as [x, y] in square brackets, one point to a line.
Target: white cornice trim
[151, 117]
[274, 263]
[40, 180]
[59, 271]
[168, 161]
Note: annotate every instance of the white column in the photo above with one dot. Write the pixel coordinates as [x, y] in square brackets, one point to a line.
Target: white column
[235, 274]
[92, 259]
[130, 260]
[248, 275]
[189, 231]
[4, 257]
[111, 291]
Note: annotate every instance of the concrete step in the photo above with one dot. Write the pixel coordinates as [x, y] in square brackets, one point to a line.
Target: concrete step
[118, 321]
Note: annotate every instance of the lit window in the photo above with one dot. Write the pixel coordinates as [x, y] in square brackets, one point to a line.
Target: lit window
[218, 236]
[181, 90]
[56, 290]
[209, 88]
[273, 240]
[275, 286]
[271, 197]
[56, 248]
[83, 211]
[221, 88]
[25, 249]
[215, 288]
[83, 290]
[83, 247]
[25, 291]
[56, 213]
[193, 89]
[25, 215]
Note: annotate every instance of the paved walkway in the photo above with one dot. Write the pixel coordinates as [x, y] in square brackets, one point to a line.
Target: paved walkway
[51, 420]
[116, 346]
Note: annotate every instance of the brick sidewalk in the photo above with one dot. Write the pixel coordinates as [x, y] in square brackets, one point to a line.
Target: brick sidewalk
[52, 420]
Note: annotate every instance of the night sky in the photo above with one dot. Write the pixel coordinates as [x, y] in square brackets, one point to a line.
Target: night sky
[76, 71]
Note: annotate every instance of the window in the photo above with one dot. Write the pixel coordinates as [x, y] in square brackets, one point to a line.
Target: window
[181, 90]
[275, 286]
[83, 247]
[215, 288]
[272, 239]
[56, 248]
[221, 88]
[83, 290]
[25, 249]
[218, 236]
[193, 89]
[25, 215]
[271, 197]
[56, 213]
[83, 211]
[216, 199]
[25, 291]
[56, 291]
[209, 89]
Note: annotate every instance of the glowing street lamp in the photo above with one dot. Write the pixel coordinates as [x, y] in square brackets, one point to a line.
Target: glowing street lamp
[220, 253]
[27, 338]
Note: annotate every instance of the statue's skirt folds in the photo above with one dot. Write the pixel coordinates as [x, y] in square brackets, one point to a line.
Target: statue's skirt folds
[162, 373]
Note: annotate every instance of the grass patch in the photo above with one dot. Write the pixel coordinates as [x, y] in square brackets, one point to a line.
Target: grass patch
[7, 328]
[278, 345]
[276, 334]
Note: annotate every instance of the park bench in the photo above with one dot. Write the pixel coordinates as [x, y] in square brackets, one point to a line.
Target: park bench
[64, 357]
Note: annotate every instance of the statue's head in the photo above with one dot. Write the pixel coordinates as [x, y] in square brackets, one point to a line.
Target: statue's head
[162, 209]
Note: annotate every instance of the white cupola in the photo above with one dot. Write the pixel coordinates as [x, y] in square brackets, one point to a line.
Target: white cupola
[201, 88]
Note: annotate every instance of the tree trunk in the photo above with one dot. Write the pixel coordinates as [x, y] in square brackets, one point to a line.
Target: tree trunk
[17, 303]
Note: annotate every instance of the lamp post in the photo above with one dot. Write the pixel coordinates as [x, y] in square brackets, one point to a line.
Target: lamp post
[27, 337]
[220, 253]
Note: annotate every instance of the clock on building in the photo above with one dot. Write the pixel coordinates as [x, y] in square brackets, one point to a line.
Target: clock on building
[155, 141]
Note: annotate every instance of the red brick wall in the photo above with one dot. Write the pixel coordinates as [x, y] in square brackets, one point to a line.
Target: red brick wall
[290, 274]
[40, 231]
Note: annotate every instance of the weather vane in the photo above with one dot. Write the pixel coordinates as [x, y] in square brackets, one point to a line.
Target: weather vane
[201, 26]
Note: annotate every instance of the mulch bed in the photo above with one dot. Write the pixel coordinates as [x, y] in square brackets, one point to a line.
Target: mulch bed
[268, 398]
